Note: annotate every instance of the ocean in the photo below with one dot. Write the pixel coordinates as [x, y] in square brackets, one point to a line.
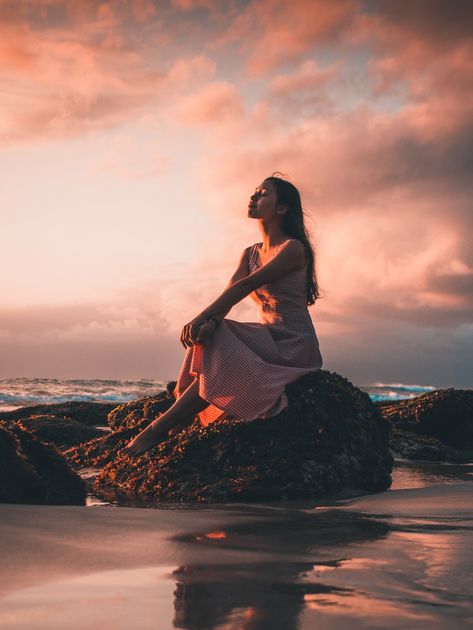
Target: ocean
[21, 392]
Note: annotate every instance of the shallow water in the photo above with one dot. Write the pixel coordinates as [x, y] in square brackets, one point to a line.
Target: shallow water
[396, 559]
[343, 567]
[421, 474]
[405, 474]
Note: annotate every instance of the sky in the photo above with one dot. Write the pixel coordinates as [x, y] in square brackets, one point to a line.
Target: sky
[133, 132]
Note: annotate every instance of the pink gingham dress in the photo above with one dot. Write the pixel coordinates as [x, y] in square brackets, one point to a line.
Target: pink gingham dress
[245, 366]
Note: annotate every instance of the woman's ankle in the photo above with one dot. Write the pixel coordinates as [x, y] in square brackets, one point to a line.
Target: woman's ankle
[157, 422]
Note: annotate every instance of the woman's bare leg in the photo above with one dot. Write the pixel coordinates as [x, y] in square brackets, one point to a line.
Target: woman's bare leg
[186, 407]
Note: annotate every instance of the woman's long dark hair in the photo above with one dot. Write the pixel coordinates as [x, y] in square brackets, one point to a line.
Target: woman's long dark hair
[293, 226]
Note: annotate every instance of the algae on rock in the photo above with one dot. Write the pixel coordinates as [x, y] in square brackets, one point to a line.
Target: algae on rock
[331, 438]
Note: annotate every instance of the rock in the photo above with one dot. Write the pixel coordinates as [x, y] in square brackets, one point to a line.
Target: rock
[32, 472]
[90, 413]
[132, 413]
[408, 445]
[62, 432]
[101, 450]
[331, 438]
[445, 414]
[19, 482]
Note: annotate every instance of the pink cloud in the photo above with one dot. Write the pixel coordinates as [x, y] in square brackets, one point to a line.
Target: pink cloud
[214, 103]
[388, 192]
[89, 71]
[74, 87]
[304, 90]
[143, 10]
[190, 5]
[308, 75]
[275, 32]
[129, 159]
[85, 320]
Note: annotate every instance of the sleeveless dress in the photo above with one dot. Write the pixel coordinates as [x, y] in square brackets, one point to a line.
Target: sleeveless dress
[245, 366]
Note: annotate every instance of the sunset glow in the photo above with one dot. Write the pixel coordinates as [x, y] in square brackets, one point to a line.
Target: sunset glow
[132, 133]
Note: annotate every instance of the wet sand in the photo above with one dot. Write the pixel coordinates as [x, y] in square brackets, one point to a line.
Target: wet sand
[396, 559]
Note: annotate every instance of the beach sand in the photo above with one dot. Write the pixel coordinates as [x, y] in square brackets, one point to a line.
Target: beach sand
[396, 559]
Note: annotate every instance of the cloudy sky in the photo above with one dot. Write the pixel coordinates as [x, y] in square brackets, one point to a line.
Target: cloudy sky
[132, 133]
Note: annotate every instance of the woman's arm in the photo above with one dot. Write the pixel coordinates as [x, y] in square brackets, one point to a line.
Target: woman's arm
[199, 328]
[289, 258]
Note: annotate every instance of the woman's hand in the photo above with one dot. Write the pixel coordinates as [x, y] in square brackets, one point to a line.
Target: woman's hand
[206, 330]
[196, 331]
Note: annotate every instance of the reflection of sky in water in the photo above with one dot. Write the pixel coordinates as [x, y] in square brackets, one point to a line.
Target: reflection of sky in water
[107, 599]
[404, 564]
[410, 474]
[337, 568]
[395, 559]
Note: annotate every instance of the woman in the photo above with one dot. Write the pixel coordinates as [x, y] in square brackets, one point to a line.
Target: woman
[239, 370]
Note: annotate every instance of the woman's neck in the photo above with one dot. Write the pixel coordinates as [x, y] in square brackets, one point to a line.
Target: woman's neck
[272, 240]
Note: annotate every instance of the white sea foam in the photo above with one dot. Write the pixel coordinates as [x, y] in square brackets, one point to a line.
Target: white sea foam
[21, 392]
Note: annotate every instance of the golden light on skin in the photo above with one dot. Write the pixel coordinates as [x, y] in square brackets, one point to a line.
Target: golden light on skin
[263, 201]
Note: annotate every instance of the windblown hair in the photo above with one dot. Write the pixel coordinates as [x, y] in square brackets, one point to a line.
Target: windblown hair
[293, 226]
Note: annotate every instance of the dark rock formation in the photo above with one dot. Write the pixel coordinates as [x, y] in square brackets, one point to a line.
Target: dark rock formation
[90, 413]
[134, 412]
[62, 432]
[19, 482]
[408, 445]
[445, 414]
[101, 450]
[331, 438]
[31, 472]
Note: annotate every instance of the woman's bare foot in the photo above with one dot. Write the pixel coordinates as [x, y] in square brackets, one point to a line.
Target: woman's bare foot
[149, 437]
[180, 427]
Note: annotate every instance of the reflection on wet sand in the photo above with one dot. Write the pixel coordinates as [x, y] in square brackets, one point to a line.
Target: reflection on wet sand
[396, 559]
[267, 594]
[420, 474]
[329, 568]
[253, 597]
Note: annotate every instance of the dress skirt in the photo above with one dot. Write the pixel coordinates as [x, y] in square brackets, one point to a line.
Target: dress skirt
[243, 369]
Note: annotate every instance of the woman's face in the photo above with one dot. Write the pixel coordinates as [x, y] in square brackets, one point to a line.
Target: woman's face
[263, 201]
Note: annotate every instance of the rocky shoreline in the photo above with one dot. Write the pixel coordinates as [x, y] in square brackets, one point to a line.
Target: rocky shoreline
[437, 426]
[331, 441]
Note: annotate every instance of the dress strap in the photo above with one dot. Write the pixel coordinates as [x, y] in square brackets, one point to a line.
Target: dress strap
[254, 252]
[254, 247]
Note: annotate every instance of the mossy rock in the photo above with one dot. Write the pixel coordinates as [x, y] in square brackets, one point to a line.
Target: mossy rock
[131, 414]
[62, 432]
[445, 414]
[32, 472]
[331, 438]
[90, 413]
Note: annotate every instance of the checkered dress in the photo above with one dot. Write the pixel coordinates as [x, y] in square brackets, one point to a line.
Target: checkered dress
[245, 366]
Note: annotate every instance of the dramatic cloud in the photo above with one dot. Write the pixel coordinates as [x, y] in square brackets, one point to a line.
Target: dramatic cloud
[70, 68]
[366, 105]
[272, 32]
[213, 104]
